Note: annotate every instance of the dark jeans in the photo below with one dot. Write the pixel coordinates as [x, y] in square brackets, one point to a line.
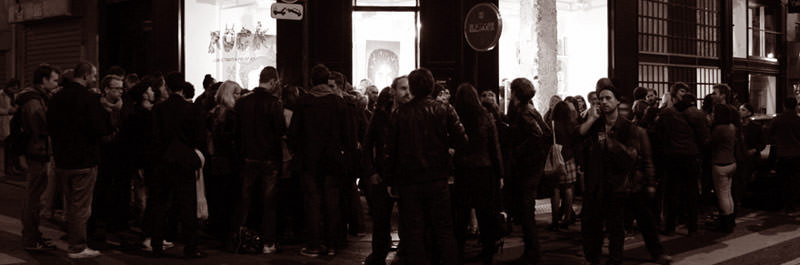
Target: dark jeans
[259, 177]
[380, 204]
[321, 199]
[477, 188]
[427, 205]
[599, 209]
[682, 191]
[528, 186]
[78, 191]
[36, 184]
[638, 206]
[111, 207]
[176, 185]
[788, 170]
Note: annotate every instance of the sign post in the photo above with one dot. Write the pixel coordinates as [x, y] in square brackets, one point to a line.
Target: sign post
[483, 26]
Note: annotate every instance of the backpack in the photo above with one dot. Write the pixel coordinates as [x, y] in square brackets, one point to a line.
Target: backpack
[18, 139]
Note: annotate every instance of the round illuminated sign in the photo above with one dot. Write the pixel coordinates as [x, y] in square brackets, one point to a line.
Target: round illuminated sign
[482, 27]
[289, 1]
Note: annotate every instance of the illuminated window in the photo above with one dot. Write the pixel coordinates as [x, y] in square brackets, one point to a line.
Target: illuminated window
[380, 55]
[762, 32]
[762, 93]
[229, 39]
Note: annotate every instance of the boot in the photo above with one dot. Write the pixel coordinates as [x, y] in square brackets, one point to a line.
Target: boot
[725, 224]
[732, 221]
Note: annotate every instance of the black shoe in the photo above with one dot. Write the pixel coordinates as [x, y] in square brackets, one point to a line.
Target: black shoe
[197, 254]
[373, 260]
[311, 253]
[40, 245]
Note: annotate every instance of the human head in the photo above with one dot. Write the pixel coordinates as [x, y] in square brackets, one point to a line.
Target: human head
[420, 82]
[608, 98]
[208, 81]
[488, 97]
[441, 93]
[639, 93]
[467, 97]
[553, 101]
[581, 106]
[46, 76]
[289, 96]
[112, 87]
[85, 74]
[651, 97]
[592, 96]
[564, 113]
[371, 92]
[188, 90]
[228, 93]
[131, 80]
[624, 108]
[707, 105]
[142, 92]
[723, 115]
[12, 86]
[401, 90]
[745, 110]
[385, 100]
[337, 81]
[175, 82]
[678, 89]
[723, 94]
[320, 75]
[268, 78]
[522, 91]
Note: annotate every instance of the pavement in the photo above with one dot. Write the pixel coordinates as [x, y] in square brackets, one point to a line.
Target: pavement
[760, 237]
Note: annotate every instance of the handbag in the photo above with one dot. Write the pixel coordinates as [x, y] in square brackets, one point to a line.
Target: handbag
[555, 164]
[202, 204]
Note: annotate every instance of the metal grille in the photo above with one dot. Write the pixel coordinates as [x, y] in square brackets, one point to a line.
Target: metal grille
[661, 76]
[684, 27]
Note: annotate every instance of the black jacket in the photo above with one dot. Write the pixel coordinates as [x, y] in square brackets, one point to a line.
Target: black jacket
[317, 133]
[682, 133]
[483, 148]
[136, 137]
[77, 122]
[612, 165]
[260, 126]
[418, 140]
[530, 138]
[784, 134]
[32, 117]
[178, 129]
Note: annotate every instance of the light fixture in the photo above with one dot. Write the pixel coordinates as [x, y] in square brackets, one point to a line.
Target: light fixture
[770, 55]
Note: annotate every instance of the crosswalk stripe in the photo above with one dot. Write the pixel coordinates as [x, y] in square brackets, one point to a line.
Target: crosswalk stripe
[8, 259]
[739, 246]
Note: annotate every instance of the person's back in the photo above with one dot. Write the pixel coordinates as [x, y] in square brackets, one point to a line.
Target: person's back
[785, 134]
[262, 125]
[682, 131]
[177, 122]
[318, 126]
[77, 121]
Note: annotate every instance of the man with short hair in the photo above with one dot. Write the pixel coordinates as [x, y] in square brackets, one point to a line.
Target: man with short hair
[34, 143]
[259, 128]
[178, 127]
[420, 134]
[77, 122]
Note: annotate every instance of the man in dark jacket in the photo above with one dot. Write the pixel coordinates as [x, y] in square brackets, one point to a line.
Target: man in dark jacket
[259, 129]
[684, 132]
[420, 135]
[619, 172]
[77, 124]
[179, 131]
[317, 137]
[34, 143]
[784, 134]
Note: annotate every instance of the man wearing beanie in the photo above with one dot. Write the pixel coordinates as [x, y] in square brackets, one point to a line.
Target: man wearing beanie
[420, 134]
[619, 170]
[317, 137]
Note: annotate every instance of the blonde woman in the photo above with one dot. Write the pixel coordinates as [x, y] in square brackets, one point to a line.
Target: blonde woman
[221, 168]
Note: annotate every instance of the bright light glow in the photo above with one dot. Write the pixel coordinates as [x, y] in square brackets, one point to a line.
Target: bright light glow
[770, 55]
[380, 55]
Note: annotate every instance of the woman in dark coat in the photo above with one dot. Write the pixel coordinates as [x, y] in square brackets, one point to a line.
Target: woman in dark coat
[478, 171]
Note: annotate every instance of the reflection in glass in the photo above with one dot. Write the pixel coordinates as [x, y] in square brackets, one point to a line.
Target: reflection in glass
[380, 55]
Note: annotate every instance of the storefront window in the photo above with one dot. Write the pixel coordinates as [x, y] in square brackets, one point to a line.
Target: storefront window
[229, 39]
[582, 30]
[762, 93]
[380, 55]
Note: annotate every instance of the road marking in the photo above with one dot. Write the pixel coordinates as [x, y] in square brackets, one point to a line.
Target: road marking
[739, 246]
[792, 262]
[7, 259]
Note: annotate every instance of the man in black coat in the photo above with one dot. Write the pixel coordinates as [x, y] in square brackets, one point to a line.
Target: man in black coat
[179, 131]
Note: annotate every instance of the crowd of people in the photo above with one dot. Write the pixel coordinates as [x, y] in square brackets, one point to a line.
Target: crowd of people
[256, 168]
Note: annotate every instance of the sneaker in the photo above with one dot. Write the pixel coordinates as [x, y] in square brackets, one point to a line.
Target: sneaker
[86, 253]
[40, 245]
[270, 248]
[311, 253]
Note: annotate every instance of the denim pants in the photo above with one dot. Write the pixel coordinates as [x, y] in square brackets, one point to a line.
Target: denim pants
[78, 191]
[259, 178]
[427, 205]
[321, 199]
[36, 184]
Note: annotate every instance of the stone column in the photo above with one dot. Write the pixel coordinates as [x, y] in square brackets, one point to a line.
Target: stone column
[545, 30]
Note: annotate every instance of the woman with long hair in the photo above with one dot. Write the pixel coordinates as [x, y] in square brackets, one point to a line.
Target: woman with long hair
[478, 172]
[723, 163]
[565, 127]
[222, 166]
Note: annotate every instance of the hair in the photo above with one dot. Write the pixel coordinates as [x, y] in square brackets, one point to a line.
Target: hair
[590, 94]
[13, 82]
[385, 100]
[155, 80]
[609, 87]
[553, 101]
[267, 74]
[789, 103]
[175, 81]
[207, 81]
[393, 86]
[468, 106]
[289, 96]
[522, 89]
[673, 90]
[420, 82]
[640, 93]
[723, 115]
[188, 90]
[562, 113]
[749, 108]
[224, 96]
[726, 91]
[82, 69]
[684, 102]
[137, 92]
[577, 105]
[438, 89]
[708, 104]
[338, 78]
[320, 74]
[132, 78]
[603, 82]
[107, 81]
[117, 70]
[43, 71]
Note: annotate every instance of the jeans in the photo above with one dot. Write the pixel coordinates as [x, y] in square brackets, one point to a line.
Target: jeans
[682, 191]
[597, 210]
[528, 187]
[638, 205]
[259, 177]
[176, 185]
[36, 184]
[427, 205]
[380, 204]
[788, 170]
[477, 188]
[321, 199]
[78, 190]
[723, 177]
